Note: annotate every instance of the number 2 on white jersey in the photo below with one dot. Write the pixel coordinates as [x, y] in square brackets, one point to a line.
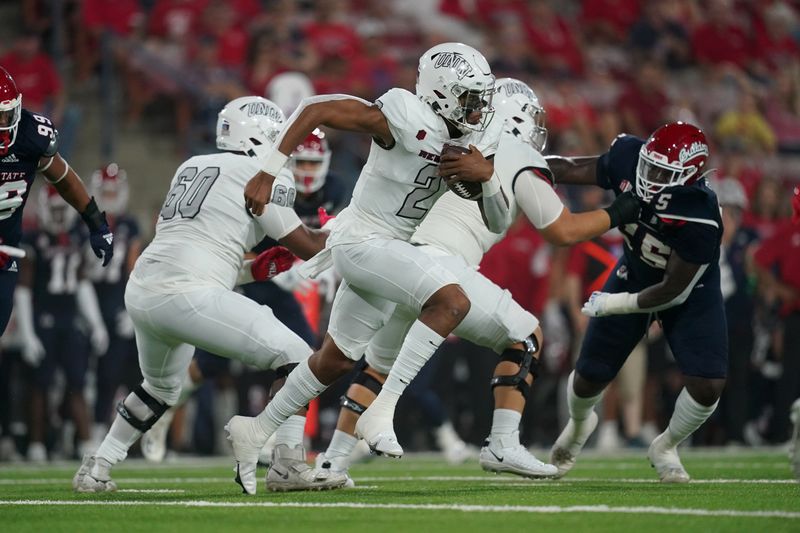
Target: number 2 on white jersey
[428, 186]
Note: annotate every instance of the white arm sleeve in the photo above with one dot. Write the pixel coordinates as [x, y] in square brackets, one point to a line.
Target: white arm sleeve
[245, 273]
[278, 221]
[23, 306]
[495, 205]
[88, 306]
[537, 199]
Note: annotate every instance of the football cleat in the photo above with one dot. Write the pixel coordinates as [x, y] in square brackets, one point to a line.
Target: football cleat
[569, 444]
[246, 447]
[154, 442]
[37, 453]
[85, 481]
[666, 462]
[379, 434]
[338, 464]
[506, 454]
[290, 472]
[794, 446]
[265, 455]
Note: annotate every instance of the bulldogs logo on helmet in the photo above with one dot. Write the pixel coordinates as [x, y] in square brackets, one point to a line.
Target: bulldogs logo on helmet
[249, 124]
[110, 185]
[518, 106]
[456, 81]
[675, 154]
[10, 110]
[310, 162]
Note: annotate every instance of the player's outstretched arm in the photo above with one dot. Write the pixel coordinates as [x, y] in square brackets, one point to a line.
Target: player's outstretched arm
[71, 188]
[680, 277]
[340, 112]
[557, 224]
[574, 170]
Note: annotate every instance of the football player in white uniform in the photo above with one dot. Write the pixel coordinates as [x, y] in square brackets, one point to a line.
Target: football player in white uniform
[455, 234]
[180, 296]
[369, 244]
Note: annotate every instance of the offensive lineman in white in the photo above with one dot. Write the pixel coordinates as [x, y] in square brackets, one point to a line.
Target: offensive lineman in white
[369, 244]
[456, 235]
[179, 295]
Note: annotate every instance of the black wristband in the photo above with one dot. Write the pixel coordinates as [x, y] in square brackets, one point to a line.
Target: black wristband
[93, 217]
[613, 214]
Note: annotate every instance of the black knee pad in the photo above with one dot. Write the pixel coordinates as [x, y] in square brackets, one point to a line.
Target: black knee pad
[348, 403]
[528, 364]
[365, 380]
[285, 370]
[153, 404]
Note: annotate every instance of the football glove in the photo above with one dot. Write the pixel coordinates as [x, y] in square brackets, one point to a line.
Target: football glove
[606, 303]
[101, 238]
[10, 200]
[323, 216]
[271, 262]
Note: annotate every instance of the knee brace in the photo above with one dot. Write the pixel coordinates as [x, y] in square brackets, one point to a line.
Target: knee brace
[528, 364]
[365, 380]
[153, 404]
[285, 370]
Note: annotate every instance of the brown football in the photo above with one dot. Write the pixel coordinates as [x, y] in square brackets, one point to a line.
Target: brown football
[468, 190]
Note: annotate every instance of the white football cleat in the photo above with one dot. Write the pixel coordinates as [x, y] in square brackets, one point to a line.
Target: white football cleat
[154, 442]
[794, 447]
[246, 444]
[338, 464]
[37, 453]
[506, 454]
[85, 481]
[569, 444]
[289, 471]
[378, 432]
[666, 462]
[455, 450]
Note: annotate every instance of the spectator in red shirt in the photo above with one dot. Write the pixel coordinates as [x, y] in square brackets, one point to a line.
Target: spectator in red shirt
[175, 20]
[643, 105]
[40, 84]
[553, 42]
[609, 20]
[775, 45]
[221, 21]
[721, 39]
[330, 33]
[777, 262]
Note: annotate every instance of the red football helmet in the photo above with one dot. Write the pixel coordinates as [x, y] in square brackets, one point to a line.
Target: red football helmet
[10, 110]
[55, 214]
[110, 186]
[674, 155]
[310, 162]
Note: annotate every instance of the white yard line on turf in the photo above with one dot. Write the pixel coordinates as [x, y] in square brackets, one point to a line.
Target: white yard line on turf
[549, 509]
[152, 491]
[372, 479]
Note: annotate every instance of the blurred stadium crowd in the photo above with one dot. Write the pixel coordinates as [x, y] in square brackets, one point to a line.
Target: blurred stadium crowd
[599, 67]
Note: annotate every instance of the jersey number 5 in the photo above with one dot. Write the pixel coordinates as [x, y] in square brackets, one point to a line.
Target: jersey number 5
[190, 190]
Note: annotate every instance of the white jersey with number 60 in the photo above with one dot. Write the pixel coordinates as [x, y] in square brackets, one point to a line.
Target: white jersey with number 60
[456, 226]
[399, 185]
[204, 230]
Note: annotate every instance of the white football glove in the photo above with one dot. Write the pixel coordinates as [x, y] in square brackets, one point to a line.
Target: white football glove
[32, 350]
[606, 303]
[99, 340]
[291, 280]
[8, 203]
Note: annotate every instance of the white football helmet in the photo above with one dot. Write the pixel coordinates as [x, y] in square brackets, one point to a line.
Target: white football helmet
[249, 124]
[456, 81]
[518, 106]
[110, 186]
[54, 213]
[288, 89]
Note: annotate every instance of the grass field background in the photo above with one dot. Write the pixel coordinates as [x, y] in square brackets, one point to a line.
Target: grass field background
[731, 491]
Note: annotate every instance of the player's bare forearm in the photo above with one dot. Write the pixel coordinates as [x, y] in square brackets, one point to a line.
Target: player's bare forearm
[574, 170]
[67, 183]
[570, 228]
[673, 288]
[305, 242]
[347, 114]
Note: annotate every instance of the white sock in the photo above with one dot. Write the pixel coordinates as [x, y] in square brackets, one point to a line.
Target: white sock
[122, 435]
[579, 408]
[301, 387]
[420, 344]
[291, 432]
[686, 418]
[342, 445]
[505, 422]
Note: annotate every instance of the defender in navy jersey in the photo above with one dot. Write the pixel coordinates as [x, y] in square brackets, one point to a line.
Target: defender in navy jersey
[54, 301]
[669, 272]
[29, 144]
[119, 364]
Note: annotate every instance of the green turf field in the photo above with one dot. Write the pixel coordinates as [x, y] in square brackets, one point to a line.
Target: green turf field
[731, 491]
